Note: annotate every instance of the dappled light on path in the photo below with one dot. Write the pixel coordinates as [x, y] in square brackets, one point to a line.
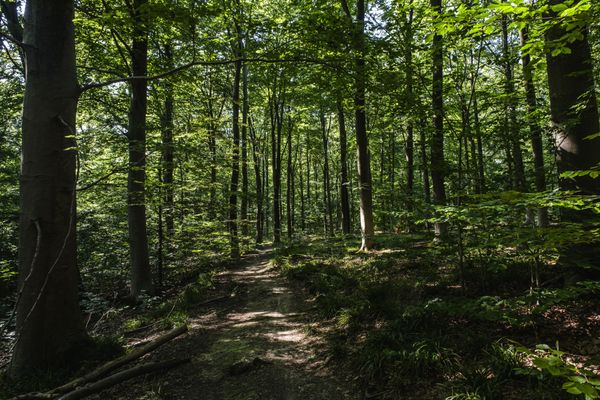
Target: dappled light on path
[254, 345]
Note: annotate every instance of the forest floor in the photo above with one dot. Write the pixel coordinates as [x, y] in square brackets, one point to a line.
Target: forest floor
[251, 344]
[317, 319]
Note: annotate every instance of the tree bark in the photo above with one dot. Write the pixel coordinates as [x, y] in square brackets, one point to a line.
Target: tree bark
[574, 110]
[438, 168]
[344, 197]
[235, 165]
[480, 165]
[409, 147]
[49, 323]
[513, 127]
[244, 205]
[289, 183]
[535, 131]
[167, 147]
[141, 275]
[574, 114]
[362, 140]
[424, 165]
[276, 110]
[258, 183]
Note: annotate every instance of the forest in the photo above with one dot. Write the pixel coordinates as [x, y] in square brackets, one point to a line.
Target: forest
[299, 199]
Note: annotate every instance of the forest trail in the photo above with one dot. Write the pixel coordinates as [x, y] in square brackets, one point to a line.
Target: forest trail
[251, 345]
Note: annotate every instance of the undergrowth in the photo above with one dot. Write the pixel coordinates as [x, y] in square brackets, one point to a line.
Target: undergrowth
[408, 321]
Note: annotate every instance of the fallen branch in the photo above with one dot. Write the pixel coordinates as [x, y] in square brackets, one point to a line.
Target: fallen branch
[119, 362]
[122, 376]
[35, 396]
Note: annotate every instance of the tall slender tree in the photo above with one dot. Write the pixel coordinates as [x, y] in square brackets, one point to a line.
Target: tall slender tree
[365, 181]
[438, 165]
[141, 274]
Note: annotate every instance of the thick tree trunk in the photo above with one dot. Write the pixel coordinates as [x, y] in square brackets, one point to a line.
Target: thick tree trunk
[344, 197]
[49, 322]
[438, 168]
[141, 275]
[535, 130]
[235, 165]
[362, 140]
[574, 113]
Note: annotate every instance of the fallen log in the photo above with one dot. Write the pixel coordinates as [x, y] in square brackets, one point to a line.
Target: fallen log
[35, 396]
[119, 362]
[120, 377]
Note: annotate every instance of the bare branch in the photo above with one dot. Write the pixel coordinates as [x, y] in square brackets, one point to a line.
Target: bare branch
[13, 40]
[199, 63]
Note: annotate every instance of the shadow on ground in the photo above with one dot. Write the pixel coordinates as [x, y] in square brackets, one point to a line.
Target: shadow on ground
[253, 345]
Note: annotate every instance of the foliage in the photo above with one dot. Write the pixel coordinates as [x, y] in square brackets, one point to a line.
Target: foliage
[552, 361]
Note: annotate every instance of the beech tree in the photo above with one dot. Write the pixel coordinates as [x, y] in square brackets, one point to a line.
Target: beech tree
[49, 325]
[574, 113]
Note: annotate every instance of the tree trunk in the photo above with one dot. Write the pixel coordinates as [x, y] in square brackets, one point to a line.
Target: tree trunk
[513, 127]
[514, 138]
[438, 167]
[574, 113]
[480, 165]
[326, 178]
[212, 149]
[244, 205]
[141, 275]
[345, 198]
[167, 147]
[235, 164]
[424, 165]
[289, 182]
[409, 147]
[258, 183]
[535, 130]
[276, 109]
[49, 322]
[362, 141]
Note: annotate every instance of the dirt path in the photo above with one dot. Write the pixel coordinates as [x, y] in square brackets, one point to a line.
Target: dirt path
[253, 345]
